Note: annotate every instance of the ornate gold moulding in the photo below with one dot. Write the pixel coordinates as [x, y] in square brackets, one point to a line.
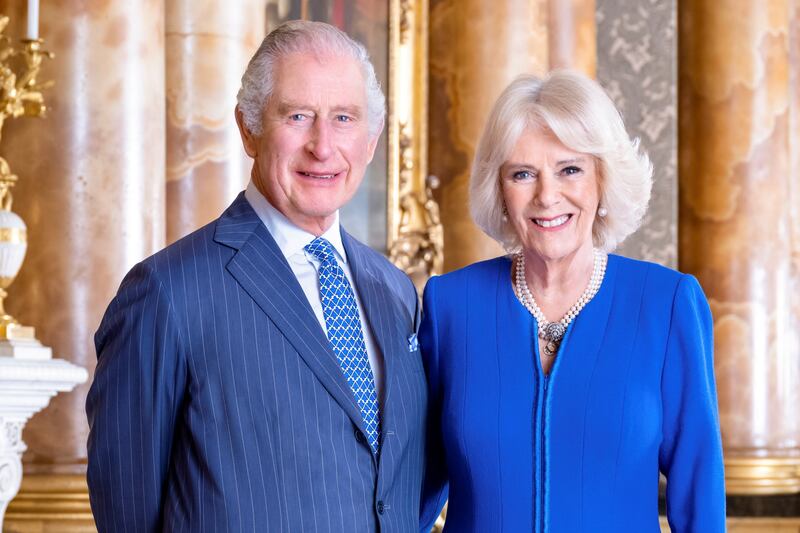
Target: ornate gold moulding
[415, 241]
[762, 475]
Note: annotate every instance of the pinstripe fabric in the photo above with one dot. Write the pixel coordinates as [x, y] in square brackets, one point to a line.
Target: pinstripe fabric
[218, 404]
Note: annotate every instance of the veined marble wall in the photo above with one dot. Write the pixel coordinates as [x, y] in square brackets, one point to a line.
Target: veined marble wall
[736, 108]
[572, 35]
[637, 64]
[207, 45]
[476, 49]
[91, 190]
[794, 181]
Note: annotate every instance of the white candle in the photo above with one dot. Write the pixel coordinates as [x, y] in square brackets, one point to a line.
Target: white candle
[33, 19]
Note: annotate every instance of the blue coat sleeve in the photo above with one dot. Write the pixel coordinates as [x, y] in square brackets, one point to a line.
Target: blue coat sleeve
[132, 405]
[434, 486]
[690, 455]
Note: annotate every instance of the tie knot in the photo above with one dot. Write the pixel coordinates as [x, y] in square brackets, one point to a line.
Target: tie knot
[322, 249]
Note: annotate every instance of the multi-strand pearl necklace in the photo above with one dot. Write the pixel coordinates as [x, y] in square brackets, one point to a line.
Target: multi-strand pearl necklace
[553, 332]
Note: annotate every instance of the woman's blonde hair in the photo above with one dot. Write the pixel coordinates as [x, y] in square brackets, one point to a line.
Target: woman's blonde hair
[581, 115]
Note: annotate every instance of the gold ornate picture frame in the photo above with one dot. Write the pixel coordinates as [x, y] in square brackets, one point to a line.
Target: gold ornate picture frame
[414, 232]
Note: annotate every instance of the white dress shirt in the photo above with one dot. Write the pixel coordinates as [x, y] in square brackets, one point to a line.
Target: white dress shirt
[292, 241]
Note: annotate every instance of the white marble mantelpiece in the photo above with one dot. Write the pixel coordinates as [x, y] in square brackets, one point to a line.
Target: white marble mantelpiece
[29, 377]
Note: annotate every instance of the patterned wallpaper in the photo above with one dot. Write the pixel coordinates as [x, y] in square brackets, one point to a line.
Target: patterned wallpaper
[637, 64]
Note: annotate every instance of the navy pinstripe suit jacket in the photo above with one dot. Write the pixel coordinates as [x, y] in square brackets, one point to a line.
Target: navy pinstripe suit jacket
[218, 405]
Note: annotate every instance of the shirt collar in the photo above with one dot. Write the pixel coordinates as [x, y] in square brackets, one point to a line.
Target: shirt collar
[290, 239]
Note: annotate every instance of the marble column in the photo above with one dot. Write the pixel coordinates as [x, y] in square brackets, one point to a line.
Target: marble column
[794, 150]
[572, 35]
[208, 45]
[794, 196]
[91, 190]
[476, 49]
[735, 226]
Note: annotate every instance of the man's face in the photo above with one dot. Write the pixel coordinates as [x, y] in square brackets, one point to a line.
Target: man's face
[315, 145]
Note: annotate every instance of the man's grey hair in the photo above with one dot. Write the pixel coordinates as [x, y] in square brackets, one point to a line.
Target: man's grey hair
[582, 116]
[302, 36]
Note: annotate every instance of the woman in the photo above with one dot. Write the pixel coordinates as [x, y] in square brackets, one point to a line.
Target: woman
[563, 379]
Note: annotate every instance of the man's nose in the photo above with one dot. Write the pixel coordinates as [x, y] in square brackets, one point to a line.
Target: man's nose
[321, 142]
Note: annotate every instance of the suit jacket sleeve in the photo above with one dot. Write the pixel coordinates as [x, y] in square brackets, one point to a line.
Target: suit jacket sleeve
[435, 485]
[691, 450]
[133, 404]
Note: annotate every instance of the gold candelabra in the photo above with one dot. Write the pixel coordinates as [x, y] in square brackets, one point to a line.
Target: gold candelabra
[20, 95]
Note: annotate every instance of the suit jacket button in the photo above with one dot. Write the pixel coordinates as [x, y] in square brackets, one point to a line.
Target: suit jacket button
[381, 507]
[360, 437]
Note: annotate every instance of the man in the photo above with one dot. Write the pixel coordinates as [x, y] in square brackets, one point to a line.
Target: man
[262, 374]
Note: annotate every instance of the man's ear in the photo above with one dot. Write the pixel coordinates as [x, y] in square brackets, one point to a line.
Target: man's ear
[249, 141]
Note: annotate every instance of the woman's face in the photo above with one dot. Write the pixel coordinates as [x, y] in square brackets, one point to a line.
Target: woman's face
[552, 194]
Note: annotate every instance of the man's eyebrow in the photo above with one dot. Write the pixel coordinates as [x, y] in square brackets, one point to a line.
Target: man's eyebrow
[354, 110]
[284, 106]
[287, 106]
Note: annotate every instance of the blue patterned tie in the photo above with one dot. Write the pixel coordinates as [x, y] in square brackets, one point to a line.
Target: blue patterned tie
[345, 335]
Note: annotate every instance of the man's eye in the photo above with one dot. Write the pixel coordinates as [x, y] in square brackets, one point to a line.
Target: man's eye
[343, 118]
[297, 117]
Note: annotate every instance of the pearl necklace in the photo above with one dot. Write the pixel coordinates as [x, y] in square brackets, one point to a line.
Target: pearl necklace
[553, 332]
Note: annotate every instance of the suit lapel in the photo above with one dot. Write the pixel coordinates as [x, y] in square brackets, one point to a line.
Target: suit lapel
[384, 316]
[262, 271]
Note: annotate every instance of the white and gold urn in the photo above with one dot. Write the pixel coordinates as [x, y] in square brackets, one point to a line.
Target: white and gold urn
[16, 340]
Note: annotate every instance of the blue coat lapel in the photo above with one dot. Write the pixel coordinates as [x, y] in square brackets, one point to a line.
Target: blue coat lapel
[515, 327]
[585, 335]
[262, 271]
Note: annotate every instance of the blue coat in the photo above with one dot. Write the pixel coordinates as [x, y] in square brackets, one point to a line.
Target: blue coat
[219, 406]
[631, 394]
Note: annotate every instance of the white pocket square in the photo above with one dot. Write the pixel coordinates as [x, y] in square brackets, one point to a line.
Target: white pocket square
[413, 343]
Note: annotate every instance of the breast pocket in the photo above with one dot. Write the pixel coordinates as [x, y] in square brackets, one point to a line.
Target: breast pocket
[412, 354]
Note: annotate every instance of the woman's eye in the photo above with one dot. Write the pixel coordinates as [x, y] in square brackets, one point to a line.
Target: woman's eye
[522, 175]
[571, 171]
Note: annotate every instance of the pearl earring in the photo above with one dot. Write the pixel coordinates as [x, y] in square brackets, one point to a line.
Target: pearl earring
[602, 212]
